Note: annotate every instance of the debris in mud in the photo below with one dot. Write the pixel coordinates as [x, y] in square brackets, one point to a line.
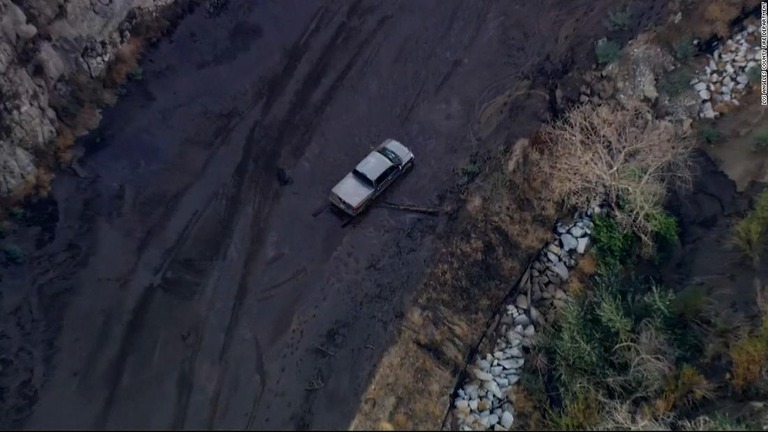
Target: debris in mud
[215, 8]
[283, 178]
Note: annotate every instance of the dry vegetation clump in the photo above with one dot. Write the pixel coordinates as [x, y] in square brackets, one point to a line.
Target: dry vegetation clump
[126, 61]
[622, 153]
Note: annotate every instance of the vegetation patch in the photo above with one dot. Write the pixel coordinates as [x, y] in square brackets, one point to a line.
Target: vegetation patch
[607, 51]
[623, 154]
[627, 353]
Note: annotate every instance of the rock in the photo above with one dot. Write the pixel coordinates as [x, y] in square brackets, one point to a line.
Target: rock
[560, 294]
[484, 405]
[552, 257]
[484, 365]
[522, 319]
[507, 419]
[483, 376]
[499, 427]
[561, 270]
[535, 315]
[513, 379]
[558, 303]
[578, 231]
[529, 331]
[493, 387]
[493, 419]
[473, 404]
[496, 370]
[581, 247]
[462, 405]
[513, 363]
[742, 79]
[502, 382]
[522, 301]
[568, 241]
[16, 168]
[649, 88]
[705, 94]
[706, 111]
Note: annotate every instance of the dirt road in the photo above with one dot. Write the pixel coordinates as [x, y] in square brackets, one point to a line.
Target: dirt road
[184, 286]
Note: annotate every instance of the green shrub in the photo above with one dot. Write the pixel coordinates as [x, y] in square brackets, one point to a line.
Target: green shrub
[708, 133]
[613, 248]
[676, 82]
[18, 213]
[753, 74]
[13, 253]
[749, 233]
[664, 226]
[619, 20]
[136, 74]
[761, 141]
[684, 48]
[606, 51]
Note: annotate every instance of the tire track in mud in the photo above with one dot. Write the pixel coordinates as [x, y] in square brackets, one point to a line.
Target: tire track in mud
[274, 91]
[283, 137]
[479, 22]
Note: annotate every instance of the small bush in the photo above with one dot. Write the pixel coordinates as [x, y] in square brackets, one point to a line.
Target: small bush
[708, 133]
[18, 214]
[761, 141]
[684, 49]
[749, 233]
[622, 153]
[685, 388]
[619, 20]
[136, 74]
[613, 248]
[676, 82]
[748, 359]
[665, 227]
[13, 253]
[753, 74]
[606, 51]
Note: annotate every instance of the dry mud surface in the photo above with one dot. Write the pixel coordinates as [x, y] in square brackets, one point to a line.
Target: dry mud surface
[184, 284]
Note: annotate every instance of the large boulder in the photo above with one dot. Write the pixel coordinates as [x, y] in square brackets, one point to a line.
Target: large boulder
[636, 72]
[42, 42]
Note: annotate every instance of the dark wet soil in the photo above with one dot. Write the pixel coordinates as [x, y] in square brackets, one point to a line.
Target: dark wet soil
[707, 260]
[185, 284]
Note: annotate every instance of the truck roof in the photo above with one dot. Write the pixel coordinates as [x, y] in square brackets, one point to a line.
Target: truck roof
[373, 165]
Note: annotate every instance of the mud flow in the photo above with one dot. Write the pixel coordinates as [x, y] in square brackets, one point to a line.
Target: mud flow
[184, 282]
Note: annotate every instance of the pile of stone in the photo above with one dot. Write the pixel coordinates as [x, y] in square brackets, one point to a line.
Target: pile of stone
[726, 77]
[485, 401]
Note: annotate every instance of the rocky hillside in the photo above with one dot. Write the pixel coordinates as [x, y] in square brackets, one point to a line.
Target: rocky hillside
[48, 48]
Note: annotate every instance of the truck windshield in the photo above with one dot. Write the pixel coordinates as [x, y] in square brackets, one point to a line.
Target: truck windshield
[360, 176]
[392, 156]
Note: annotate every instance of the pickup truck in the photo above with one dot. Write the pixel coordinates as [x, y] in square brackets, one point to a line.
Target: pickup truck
[385, 164]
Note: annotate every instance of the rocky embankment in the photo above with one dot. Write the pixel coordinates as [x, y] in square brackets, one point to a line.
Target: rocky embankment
[485, 401]
[44, 46]
[728, 72]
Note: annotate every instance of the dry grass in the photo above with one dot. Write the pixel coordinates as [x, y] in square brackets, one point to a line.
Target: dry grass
[749, 357]
[623, 153]
[65, 140]
[126, 61]
[88, 118]
[686, 388]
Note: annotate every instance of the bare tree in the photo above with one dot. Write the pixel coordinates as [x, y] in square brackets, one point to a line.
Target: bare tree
[622, 153]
